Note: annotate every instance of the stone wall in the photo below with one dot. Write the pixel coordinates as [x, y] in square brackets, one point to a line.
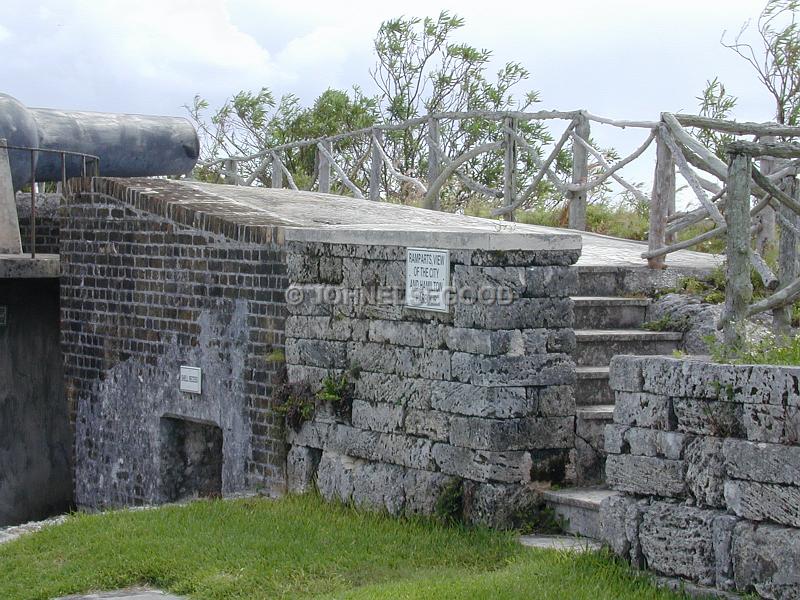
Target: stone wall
[47, 222]
[707, 457]
[479, 396]
[148, 286]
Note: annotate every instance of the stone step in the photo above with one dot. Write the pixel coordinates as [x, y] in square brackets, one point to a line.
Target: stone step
[592, 386]
[624, 280]
[609, 312]
[580, 508]
[590, 426]
[596, 347]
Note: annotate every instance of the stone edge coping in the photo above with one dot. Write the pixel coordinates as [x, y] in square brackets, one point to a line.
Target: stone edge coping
[195, 207]
[22, 266]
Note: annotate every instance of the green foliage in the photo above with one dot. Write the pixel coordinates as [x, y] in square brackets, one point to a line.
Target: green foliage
[777, 60]
[772, 350]
[449, 507]
[295, 402]
[666, 323]
[539, 518]
[715, 103]
[338, 391]
[301, 547]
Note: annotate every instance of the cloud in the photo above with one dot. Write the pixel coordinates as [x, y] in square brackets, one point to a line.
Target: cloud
[5, 34]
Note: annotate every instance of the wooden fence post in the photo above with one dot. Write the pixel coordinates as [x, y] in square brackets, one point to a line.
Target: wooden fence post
[325, 168]
[662, 199]
[580, 173]
[277, 171]
[766, 234]
[788, 265]
[510, 167]
[232, 169]
[739, 290]
[376, 166]
[434, 165]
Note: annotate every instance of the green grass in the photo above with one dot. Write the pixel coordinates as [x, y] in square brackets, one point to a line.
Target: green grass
[299, 547]
[774, 350]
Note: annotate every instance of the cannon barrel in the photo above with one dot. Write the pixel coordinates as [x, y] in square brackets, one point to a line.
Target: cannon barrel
[127, 145]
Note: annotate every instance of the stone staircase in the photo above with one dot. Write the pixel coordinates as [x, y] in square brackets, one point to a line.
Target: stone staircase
[608, 322]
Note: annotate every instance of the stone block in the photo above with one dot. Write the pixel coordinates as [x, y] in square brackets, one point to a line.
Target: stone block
[551, 281]
[625, 373]
[400, 360]
[620, 517]
[764, 501]
[705, 471]
[326, 328]
[483, 465]
[652, 442]
[498, 505]
[473, 281]
[534, 370]
[561, 340]
[480, 401]
[642, 409]
[481, 341]
[613, 526]
[677, 540]
[380, 416]
[396, 332]
[554, 400]
[312, 434]
[431, 424]
[301, 468]
[722, 535]
[765, 463]
[391, 389]
[524, 313]
[646, 475]
[316, 353]
[335, 476]
[398, 449]
[766, 560]
[379, 486]
[527, 433]
[313, 376]
[614, 441]
[708, 417]
[422, 490]
[770, 423]
[310, 299]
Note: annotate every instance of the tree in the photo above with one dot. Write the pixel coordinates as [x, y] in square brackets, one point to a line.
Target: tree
[777, 61]
[420, 70]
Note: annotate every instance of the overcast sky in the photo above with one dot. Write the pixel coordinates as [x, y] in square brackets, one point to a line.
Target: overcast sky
[619, 58]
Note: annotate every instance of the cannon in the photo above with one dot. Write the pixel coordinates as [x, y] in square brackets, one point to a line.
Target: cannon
[127, 145]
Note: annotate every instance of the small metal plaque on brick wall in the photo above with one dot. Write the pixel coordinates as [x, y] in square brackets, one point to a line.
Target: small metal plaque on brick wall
[191, 380]
[3, 315]
[427, 277]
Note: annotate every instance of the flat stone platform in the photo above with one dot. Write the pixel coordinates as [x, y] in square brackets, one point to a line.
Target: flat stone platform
[311, 216]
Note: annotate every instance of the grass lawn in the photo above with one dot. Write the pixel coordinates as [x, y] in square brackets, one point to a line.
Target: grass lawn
[299, 547]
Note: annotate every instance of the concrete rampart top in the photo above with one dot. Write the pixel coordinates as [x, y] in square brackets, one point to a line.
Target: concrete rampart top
[22, 266]
[308, 216]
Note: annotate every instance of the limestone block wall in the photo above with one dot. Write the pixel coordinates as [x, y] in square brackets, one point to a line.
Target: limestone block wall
[707, 457]
[147, 286]
[480, 395]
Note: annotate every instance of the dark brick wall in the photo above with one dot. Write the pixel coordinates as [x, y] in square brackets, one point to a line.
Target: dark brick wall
[47, 222]
[142, 294]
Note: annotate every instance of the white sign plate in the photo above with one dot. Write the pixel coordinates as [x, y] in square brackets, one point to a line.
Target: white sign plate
[191, 379]
[427, 278]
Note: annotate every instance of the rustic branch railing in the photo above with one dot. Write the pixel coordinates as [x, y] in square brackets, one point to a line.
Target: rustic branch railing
[724, 199]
